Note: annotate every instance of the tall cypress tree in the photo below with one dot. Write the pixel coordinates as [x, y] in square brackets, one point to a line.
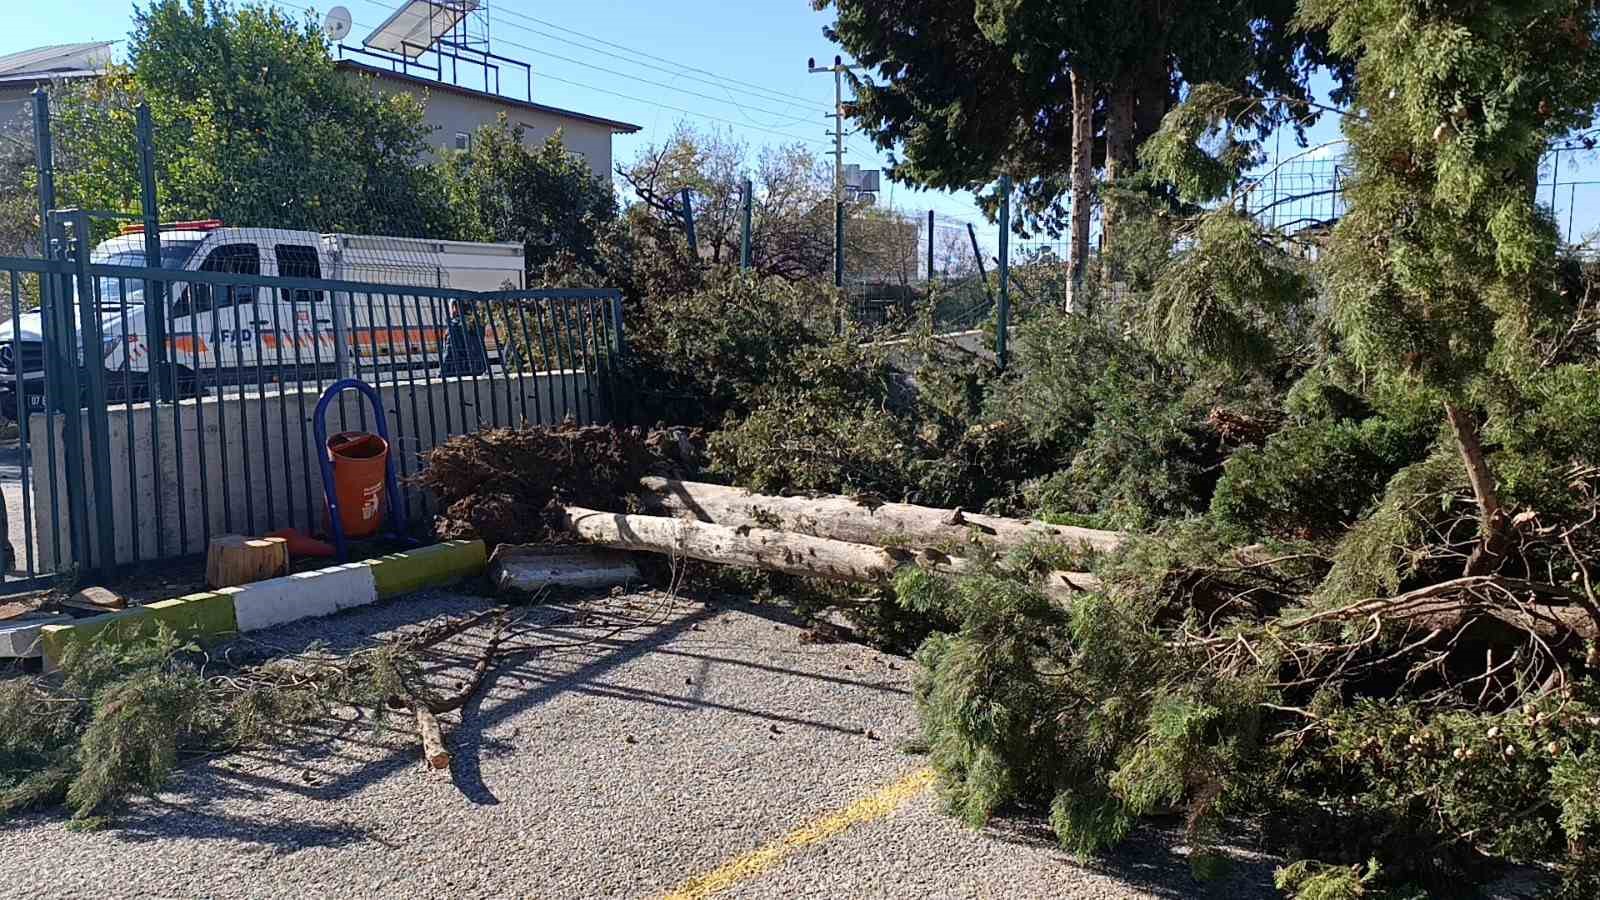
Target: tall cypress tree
[1444, 271]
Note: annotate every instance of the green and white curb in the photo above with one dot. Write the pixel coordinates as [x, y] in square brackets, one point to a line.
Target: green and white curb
[201, 615]
[402, 573]
[265, 604]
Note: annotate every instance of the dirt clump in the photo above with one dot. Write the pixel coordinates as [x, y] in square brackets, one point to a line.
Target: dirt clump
[506, 485]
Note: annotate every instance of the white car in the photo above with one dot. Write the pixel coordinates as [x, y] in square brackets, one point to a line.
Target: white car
[253, 334]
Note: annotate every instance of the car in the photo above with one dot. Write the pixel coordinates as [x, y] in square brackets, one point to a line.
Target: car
[251, 333]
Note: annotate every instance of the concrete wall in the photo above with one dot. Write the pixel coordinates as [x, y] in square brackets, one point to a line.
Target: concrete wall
[449, 113]
[274, 467]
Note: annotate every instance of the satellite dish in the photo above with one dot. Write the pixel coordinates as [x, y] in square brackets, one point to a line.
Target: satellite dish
[337, 24]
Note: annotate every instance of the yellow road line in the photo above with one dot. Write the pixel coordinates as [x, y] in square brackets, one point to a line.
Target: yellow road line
[759, 860]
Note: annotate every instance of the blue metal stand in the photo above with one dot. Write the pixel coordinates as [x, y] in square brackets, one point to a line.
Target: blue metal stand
[397, 508]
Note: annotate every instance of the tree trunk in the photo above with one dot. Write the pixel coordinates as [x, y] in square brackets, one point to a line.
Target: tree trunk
[1492, 537]
[777, 551]
[1083, 98]
[1120, 146]
[1154, 92]
[233, 560]
[844, 519]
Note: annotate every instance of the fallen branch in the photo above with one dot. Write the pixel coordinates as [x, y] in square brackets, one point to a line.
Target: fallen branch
[846, 519]
[433, 751]
[779, 551]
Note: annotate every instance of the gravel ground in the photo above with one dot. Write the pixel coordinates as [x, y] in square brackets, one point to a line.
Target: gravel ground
[603, 763]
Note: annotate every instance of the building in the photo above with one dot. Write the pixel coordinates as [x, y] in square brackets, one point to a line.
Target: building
[22, 72]
[455, 112]
[441, 51]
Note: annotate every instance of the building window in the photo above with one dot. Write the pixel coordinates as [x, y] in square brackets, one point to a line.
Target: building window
[463, 141]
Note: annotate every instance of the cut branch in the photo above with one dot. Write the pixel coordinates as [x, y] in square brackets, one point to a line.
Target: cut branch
[433, 751]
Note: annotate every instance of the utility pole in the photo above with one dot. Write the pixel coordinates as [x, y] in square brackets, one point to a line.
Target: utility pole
[838, 69]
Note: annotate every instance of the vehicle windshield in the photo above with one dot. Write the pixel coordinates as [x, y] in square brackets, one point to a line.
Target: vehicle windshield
[174, 254]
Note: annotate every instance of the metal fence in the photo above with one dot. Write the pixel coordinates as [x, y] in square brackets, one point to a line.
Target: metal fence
[146, 428]
[163, 398]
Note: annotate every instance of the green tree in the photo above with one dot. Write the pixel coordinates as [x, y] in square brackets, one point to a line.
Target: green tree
[1044, 91]
[1444, 272]
[543, 196]
[254, 125]
[791, 221]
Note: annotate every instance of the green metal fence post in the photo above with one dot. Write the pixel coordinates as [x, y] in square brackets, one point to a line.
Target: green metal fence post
[154, 289]
[92, 335]
[1003, 308]
[977, 254]
[44, 155]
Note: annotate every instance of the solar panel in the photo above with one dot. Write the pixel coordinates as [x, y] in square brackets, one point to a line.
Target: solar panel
[415, 27]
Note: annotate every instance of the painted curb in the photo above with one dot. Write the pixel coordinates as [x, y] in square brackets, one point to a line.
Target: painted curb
[402, 573]
[265, 604]
[207, 614]
[304, 595]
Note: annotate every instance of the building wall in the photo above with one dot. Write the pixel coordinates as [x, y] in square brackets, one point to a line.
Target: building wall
[280, 462]
[450, 113]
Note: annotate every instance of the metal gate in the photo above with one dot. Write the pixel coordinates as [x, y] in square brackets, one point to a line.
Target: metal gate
[158, 408]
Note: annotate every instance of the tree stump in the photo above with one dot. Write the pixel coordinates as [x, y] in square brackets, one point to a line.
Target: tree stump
[232, 560]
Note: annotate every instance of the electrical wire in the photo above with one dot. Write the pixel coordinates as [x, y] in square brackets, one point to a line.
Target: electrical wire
[749, 85]
[788, 116]
[650, 101]
[679, 72]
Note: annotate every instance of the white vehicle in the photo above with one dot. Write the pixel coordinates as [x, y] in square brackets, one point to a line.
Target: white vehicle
[221, 334]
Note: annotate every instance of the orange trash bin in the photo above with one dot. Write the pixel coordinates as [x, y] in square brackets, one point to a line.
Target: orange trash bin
[360, 462]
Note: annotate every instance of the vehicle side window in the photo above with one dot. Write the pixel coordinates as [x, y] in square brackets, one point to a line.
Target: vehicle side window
[238, 259]
[298, 261]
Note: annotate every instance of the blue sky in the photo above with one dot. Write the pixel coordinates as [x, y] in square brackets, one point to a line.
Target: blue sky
[735, 66]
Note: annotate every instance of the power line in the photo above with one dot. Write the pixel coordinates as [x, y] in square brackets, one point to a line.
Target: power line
[780, 94]
[787, 115]
[680, 109]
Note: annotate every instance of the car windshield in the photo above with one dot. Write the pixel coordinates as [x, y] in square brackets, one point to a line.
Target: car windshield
[174, 254]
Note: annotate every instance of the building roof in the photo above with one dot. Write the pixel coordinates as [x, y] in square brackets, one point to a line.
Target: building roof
[433, 85]
[56, 61]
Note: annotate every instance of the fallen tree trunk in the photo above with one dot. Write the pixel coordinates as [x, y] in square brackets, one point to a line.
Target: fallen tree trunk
[845, 519]
[777, 551]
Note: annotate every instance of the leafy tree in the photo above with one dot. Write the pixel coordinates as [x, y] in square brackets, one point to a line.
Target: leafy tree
[791, 220]
[503, 190]
[254, 125]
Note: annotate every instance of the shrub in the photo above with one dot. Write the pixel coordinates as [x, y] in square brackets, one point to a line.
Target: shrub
[1313, 481]
[701, 355]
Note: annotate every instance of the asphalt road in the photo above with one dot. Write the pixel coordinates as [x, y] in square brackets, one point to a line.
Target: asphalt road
[643, 746]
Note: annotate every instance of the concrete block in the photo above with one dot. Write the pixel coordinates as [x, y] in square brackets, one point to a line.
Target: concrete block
[303, 595]
[528, 569]
[20, 639]
[413, 570]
